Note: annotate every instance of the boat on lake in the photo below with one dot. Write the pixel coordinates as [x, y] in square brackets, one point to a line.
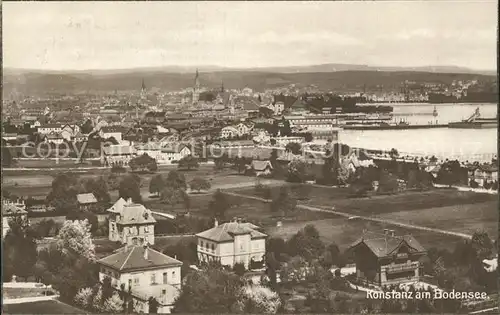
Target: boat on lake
[475, 121]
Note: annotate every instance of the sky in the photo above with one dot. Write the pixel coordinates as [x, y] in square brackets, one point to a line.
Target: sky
[121, 35]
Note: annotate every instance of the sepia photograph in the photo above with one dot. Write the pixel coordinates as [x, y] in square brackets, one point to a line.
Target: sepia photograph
[250, 157]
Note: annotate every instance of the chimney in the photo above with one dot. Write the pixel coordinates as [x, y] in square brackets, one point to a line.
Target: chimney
[146, 256]
[129, 201]
[216, 223]
[392, 232]
[386, 232]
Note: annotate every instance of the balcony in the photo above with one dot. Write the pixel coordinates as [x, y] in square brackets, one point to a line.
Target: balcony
[401, 267]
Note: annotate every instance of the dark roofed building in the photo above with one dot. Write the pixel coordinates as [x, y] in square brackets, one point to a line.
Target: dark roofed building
[86, 201]
[387, 259]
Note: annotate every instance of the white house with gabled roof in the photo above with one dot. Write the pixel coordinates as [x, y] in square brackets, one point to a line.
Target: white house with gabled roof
[146, 273]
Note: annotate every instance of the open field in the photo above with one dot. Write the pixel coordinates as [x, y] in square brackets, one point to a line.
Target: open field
[43, 307]
[412, 200]
[317, 192]
[253, 210]
[465, 218]
[38, 184]
[344, 232]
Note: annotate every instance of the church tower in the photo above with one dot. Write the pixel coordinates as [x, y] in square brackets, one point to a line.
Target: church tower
[142, 100]
[196, 88]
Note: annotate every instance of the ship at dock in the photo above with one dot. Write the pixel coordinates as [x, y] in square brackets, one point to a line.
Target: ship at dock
[475, 121]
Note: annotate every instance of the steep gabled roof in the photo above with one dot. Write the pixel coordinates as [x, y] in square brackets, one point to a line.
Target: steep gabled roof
[385, 245]
[131, 258]
[118, 206]
[135, 214]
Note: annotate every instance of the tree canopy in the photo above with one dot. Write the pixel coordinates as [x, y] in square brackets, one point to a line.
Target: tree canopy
[129, 187]
[143, 163]
[294, 148]
[218, 205]
[157, 184]
[284, 203]
[199, 184]
[188, 162]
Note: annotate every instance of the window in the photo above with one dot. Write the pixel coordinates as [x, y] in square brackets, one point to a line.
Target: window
[136, 281]
[213, 247]
[173, 274]
[153, 278]
[163, 292]
[165, 278]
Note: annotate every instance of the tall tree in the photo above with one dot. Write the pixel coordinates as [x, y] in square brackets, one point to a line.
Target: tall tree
[306, 243]
[176, 180]
[388, 183]
[99, 188]
[482, 244]
[188, 162]
[129, 187]
[157, 184]
[284, 203]
[294, 148]
[224, 288]
[75, 238]
[173, 196]
[274, 157]
[219, 205]
[62, 196]
[296, 172]
[19, 249]
[7, 159]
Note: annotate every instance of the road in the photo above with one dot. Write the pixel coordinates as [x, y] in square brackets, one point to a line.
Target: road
[361, 217]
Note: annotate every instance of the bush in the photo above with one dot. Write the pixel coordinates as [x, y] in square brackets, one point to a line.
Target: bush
[118, 169]
[239, 269]
[473, 184]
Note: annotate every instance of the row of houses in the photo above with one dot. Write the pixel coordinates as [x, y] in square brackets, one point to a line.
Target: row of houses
[163, 153]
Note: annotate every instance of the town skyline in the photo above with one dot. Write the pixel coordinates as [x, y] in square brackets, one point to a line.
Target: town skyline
[83, 36]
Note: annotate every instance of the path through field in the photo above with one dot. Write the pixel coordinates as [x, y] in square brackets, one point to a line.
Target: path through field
[361, 217]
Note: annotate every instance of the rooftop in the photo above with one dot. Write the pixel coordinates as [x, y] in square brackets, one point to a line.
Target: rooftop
[133, 213]
[131, 258]
[384, 245]
[86, 198]
[226, 232]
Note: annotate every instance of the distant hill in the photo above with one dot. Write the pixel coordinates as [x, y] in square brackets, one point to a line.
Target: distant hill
[329, 67]
[38, 82]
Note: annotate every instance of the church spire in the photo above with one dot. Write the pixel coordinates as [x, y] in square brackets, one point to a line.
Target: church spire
[197, 79]
[222, 86]
[143, 87]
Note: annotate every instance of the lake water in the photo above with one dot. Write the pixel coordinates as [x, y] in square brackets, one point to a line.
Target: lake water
[463, 144]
